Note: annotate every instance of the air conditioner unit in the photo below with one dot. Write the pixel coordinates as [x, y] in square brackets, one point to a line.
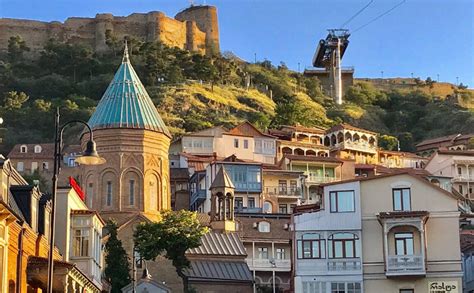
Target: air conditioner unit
[255, 225]
[286, 226]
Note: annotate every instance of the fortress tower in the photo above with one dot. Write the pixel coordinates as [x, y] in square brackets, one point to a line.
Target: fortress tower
[134, 140]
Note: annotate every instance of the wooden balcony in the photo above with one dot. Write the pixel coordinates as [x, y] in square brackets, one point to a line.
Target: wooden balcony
[279, 265]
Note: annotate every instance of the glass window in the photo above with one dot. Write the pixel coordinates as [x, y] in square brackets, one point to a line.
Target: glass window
[267, 207]
[20, 167]
[264, 227]
[343, 245]
[23, 149]
[246, 144]
[407, 291]
[404, 244]
[236, 142]
[401, 199]
[342, 201]
[239, 203]
[459, 171]
[81, 242]
[311, 246]
[251, 202]
[292, 207]
[34, 166]
[283, 209]
[109, 193]
[45, 166]
[280, 253]
[282, 186]
[338, 287]
[354, 288]
[37, 149]
[132, 192]
[263, 252]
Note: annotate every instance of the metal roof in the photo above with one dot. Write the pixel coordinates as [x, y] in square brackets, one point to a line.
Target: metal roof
[219, 244]
[219, 271]
[126, 103]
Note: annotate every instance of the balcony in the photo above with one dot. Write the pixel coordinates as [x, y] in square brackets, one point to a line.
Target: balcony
[279, 265]
[315, 178]
[463, 178]
[198, 196]
[357, 146]
[248, 186]
[247, 210]
[344, 265]
[283, 191]
[405, 265]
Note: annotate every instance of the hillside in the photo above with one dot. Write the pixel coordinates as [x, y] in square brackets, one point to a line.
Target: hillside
[194, 92]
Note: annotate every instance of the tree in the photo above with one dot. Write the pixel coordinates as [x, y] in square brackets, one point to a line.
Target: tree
[388, 142]
[16, 48]
[117, 267]
[173, 235]
[14, 100]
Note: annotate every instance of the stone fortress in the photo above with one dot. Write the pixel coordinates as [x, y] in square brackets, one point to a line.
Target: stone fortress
[194, 28]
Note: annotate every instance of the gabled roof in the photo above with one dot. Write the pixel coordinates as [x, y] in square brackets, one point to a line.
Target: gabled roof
[222, 180]
[219, 244]
[126, 104]
[47, 151]
[248, 129]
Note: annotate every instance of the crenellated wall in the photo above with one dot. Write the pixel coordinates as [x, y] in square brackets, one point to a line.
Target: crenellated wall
[194, 29]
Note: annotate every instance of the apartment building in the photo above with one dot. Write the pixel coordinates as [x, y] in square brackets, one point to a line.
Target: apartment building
[467, 249]
[400, 234]
[282, 189]
[266, 238]
[458, 165]
[327, 242]
[244, 140]
[450, 142]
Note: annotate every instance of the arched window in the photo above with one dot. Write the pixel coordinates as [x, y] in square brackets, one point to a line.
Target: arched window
[37, 149]
[311, 245]
[263, 226]
[23, 149]
[343, 245]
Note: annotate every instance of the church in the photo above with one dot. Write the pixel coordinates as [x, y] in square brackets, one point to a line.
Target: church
[133, 187]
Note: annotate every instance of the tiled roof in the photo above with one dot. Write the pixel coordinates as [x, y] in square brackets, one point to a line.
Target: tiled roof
[278, 230]
[348, 126]
[437, 140]
[317, 130]
[248, 129]
[219, 244]
[213, 270]
[179, 173]
[126, 104]
[459, 153]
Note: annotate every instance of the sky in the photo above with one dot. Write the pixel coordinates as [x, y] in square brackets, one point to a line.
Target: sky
[425, 38]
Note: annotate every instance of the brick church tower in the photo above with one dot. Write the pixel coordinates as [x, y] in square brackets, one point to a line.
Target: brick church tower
[134, 140]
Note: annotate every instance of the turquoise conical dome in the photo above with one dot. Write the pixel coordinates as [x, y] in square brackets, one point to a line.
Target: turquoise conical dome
[126, 104]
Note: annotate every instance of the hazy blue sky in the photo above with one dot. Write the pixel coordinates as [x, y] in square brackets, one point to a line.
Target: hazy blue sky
[423, 37]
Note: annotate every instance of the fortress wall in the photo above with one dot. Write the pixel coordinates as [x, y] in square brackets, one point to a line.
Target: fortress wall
[196, 33]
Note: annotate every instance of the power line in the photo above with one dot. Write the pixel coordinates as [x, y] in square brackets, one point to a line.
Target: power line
[379, 16]
[356, 14]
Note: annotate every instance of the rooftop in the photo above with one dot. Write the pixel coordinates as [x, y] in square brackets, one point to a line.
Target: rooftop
[126, 104]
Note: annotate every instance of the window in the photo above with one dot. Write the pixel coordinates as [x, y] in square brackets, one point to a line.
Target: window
[342, 245]
[263, 227]
[109, 193]
[71, 162]
[283, 209]
[292, 207]
[239, 203]
[251, 202]
[341, 287]
[353, 288]
[23, 149]
[236, 142]
[401, 199]
[342, 201]
[460, 189]
[404, 243]
[90, 193]
[293, 187]
[81, 242]
[407, 291]
[20, 167]
[132, 192]
[37, 149]
[282, 187]
[311, 245]
[34, 166]
[246, 144]
[459, 171]
[45, 165]
[267, 207]
[263, 252]
[280, 253]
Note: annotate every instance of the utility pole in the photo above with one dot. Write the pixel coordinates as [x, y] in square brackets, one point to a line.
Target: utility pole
[381, 73]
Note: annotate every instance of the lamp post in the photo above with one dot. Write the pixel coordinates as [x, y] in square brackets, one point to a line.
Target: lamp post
[89, 157]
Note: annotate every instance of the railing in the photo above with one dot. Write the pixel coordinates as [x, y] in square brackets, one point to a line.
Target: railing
[266, 264]
[248, 186]
[198, 195]
[405, 264]
[358, 146]
[320, 179]
[344, 265]
[283, 191]
[247, 210]
[463, 178]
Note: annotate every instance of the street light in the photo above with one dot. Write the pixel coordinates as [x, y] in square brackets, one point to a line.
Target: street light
[88, 157]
